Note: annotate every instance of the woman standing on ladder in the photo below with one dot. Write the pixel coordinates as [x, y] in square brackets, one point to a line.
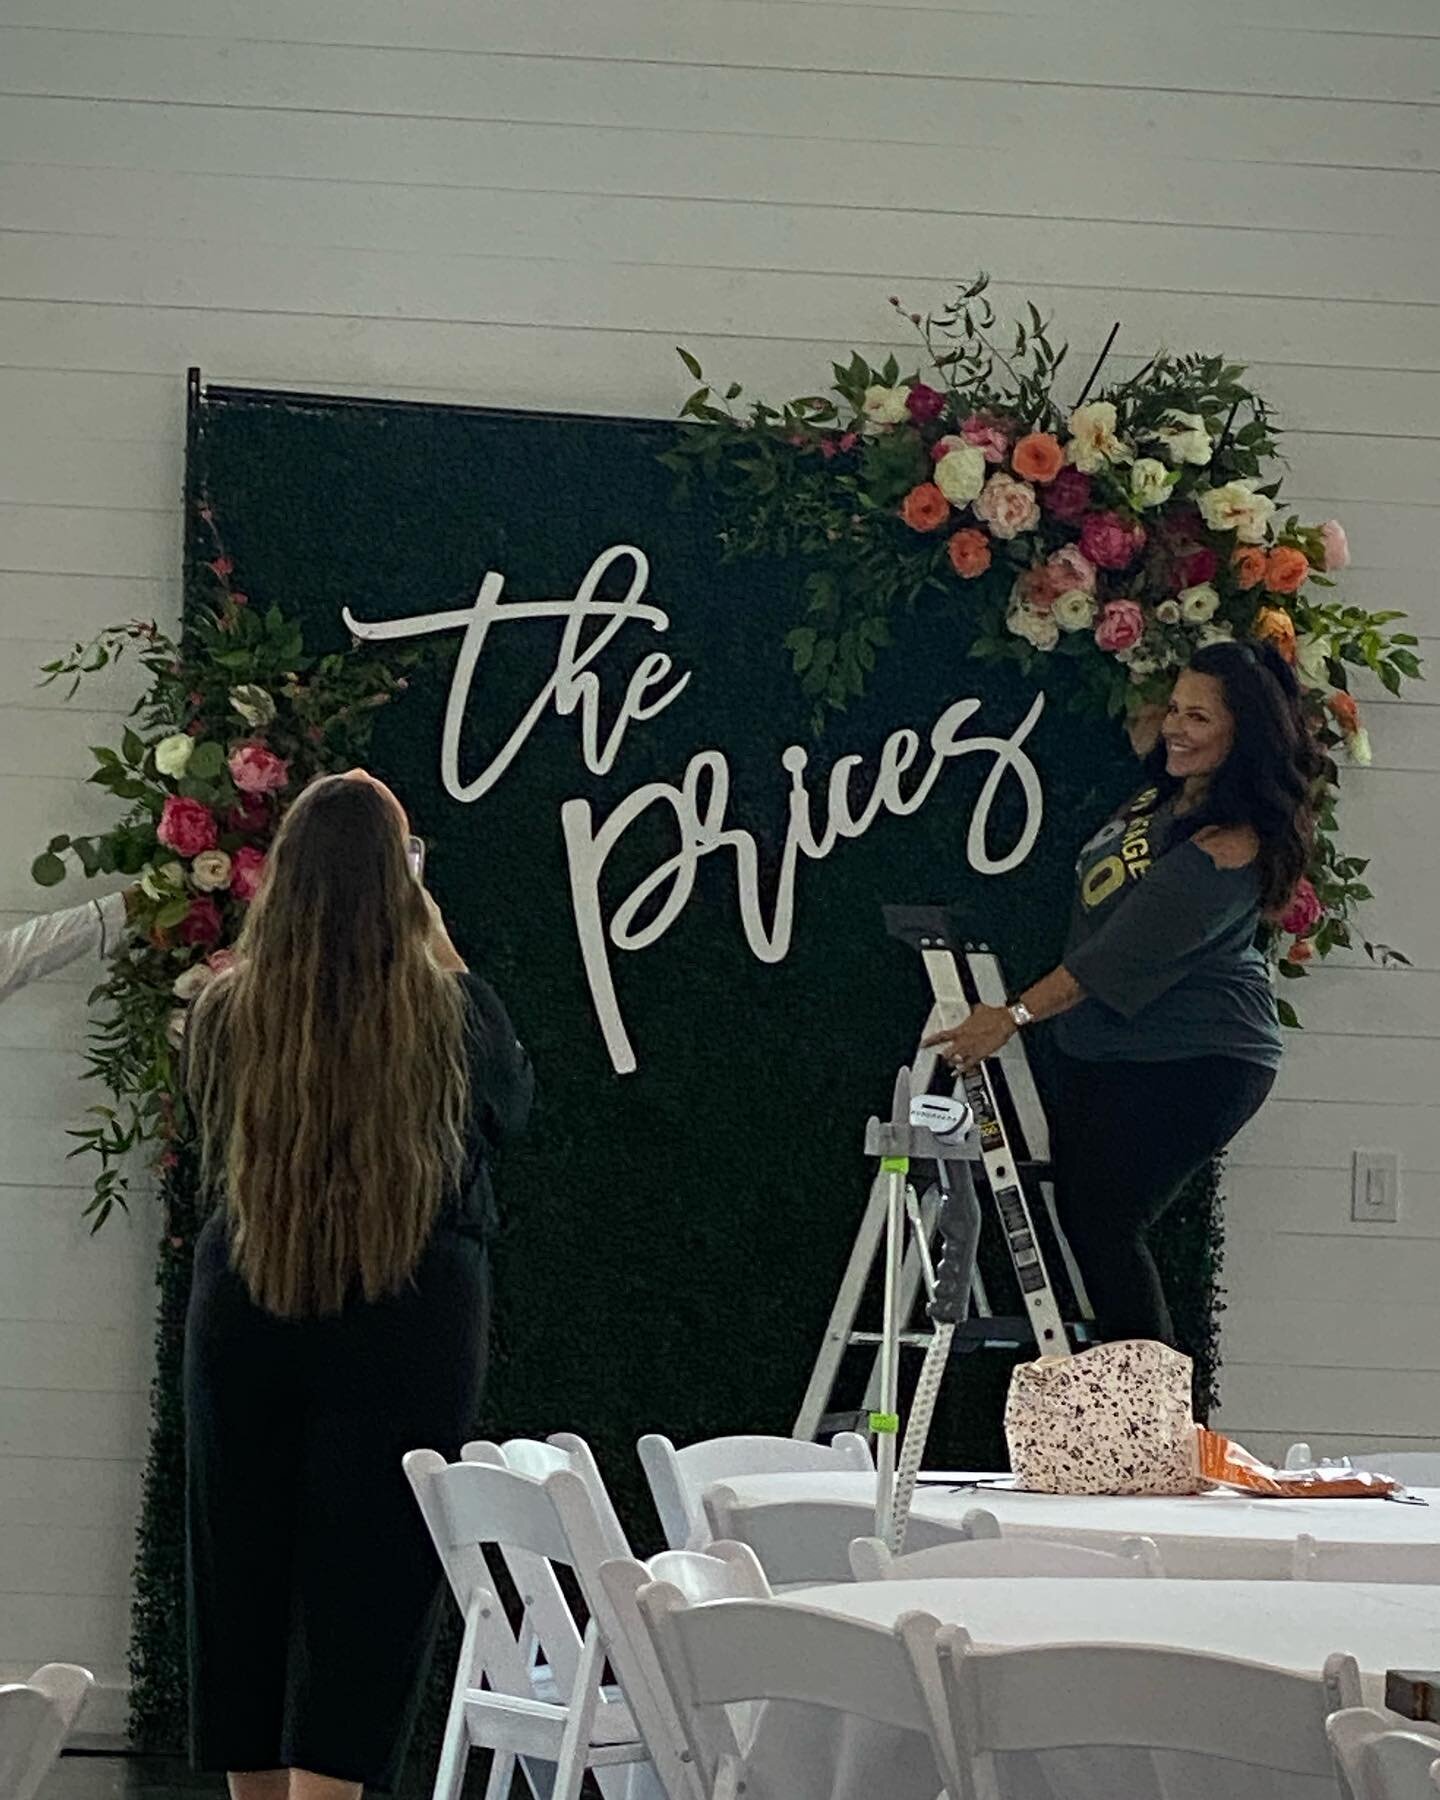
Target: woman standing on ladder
[1166, 1024]
[351, 1083]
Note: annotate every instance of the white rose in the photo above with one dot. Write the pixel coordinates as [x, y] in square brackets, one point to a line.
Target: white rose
[1168, 612]
[254, 705]
[1357, 747]
[1219, 631]
[1074, 610]
[960, 474]
[1312, 654]
[886, 405]
[163, 882]
[1039, 629]
[1142, 668]
[1237, 507]
[1199, 604]
[210, 870]
[1093, 442]
[172, 754]
[187, 985]
[1185, 438]
[1150, 482]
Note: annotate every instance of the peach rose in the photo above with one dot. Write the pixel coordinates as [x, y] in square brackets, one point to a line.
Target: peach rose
[1037, 457]
[1248, 563]
[969, 553]
[1008, 507]
[1301, 951]
[1285, 569]
[1273, 625]
[925, 508]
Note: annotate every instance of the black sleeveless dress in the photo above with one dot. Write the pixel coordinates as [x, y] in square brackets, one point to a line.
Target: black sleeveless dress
[313, 1587]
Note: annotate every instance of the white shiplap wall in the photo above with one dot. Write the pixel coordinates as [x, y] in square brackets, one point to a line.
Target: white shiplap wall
[529, 205]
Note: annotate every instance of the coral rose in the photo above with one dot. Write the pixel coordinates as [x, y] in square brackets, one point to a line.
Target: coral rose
[925, 507]
[1248, 565]
[1344, 711]
[1304, 912]
[1301, 951]
[1110, 540]
[256, 770]
[969, 553]
[1273, 625]
[1067, 497]
[202, 924]
[186, 826]
[245, 871]
[1008, 506]
[1037, 457]
[1121, 625]
[1285, 569]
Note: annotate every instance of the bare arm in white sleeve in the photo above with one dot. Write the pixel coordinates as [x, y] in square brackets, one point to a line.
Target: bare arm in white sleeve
[41, 946]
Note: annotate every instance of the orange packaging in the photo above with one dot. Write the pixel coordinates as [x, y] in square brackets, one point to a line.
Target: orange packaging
[1228, 1464]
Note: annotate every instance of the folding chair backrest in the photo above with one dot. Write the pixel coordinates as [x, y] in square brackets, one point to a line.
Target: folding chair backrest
[980, 1558]
[678, 1478]
[1412, 1563]
[805, 1542]
[1097, 1696]
[36, 1717]
[562, 1451]
[1381, 1761]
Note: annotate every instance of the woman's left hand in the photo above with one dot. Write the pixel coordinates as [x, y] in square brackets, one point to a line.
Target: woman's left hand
[987, 1030]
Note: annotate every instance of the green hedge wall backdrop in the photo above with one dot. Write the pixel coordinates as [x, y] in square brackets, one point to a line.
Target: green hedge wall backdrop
[674, 1236]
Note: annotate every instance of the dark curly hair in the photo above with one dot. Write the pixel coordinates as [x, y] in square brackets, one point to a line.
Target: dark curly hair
[1268, 781]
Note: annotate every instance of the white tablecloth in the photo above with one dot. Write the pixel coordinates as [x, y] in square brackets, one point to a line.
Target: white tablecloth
[1186, 1529]
[1292, 1627]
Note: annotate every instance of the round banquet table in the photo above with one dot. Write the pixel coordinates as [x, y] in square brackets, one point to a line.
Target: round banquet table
[1296, 1627]
[1225, 1533]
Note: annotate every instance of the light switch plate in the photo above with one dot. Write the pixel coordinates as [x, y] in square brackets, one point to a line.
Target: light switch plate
[1375, 1188]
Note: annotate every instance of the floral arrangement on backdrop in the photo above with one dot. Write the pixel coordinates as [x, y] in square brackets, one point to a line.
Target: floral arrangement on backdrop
[1102, 540]
[236, 719]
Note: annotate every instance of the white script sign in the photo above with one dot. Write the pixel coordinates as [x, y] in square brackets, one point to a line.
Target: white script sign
[700, 799]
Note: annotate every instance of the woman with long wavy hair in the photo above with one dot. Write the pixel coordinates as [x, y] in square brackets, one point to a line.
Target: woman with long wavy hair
[351, 1083]
[1166, 1028]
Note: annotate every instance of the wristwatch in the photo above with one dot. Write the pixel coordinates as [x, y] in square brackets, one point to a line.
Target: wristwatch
[1021, 1014]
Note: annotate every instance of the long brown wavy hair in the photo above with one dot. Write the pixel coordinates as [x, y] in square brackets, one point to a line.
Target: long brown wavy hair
[327, 1069]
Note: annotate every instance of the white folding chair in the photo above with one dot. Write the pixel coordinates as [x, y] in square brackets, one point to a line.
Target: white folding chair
[723, 1572]
[1258, 1733]
[562, 1450]
[802, 1543]
[986, 1556]
[1418, 1564]
[574, 1725]
[1382, 1761]
[714, 1657]
[1415, 1468]
[36, 1718]
[678, 1478]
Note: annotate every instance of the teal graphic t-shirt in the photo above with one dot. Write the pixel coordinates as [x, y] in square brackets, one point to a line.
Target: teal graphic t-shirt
[1163, 943]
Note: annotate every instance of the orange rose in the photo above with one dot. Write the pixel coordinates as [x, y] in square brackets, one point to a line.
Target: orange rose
[1285, 569]
[1345, 712]
[969, 553]
[1300, 951]
[1273, 625]
[925, 507]
[1248, 562]
[1037, 457]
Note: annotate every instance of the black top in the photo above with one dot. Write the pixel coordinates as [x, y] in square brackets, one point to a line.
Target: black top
[1163, 943]
[502, 1088]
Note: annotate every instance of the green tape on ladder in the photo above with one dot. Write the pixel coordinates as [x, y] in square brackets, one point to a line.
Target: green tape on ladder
[895, 1165]
[886, 1424]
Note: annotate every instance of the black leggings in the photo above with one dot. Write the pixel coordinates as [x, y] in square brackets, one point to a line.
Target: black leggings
[1126, 1138]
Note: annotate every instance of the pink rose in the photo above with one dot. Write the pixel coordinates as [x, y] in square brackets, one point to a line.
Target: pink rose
[256, 770]
[246, 868]
[1008, 506]
[1121, 625]
[186, 826]
[1073, 569]
[1067, 497]
[988, 436]
[1337, 545]
[1304, 912]
[924, 403]
[1195, 568]
[220, 961]
[202, 924]
[1110, 540]
[251, 816]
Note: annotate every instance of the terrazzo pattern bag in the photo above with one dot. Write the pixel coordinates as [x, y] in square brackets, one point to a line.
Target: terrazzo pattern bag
[1112, 1420]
